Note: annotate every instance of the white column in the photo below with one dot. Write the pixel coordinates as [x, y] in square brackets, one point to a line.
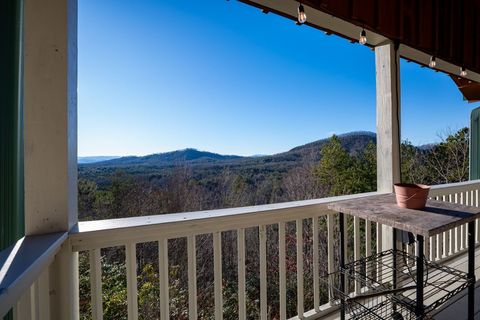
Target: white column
[50, 123]
[50, 104]
[387, 67]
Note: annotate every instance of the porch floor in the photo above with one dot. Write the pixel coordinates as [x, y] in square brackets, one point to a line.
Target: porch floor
[456, 308]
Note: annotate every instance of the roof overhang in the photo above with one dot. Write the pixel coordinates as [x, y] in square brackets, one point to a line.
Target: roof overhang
[469, 89]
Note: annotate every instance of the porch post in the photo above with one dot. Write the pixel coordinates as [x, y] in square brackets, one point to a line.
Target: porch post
[387, 67]
[50, 131]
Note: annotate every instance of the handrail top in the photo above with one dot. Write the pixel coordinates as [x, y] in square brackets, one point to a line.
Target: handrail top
[23, 262]
[131, 222]
[120, 223]
[455, 184]
[112, 232]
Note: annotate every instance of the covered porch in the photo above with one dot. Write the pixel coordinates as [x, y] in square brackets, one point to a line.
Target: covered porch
[39, 272]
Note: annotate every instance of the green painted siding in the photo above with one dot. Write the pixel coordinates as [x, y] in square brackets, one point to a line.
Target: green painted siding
[474, 144]
[11, 123]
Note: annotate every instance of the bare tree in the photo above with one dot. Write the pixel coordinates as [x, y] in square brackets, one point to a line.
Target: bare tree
[448, 160]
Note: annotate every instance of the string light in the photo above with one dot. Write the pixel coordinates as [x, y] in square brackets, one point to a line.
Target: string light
[432, 62]
[363, 37]
[463, 72]
[302, 17]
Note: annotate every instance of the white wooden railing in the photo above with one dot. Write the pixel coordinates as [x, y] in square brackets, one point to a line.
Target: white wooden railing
[92, 236]
[28, 287]
[127, 232]
[25, 284]
[453, 242]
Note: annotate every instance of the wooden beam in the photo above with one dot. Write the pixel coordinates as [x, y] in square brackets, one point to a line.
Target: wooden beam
[388, 117]
[387, 66]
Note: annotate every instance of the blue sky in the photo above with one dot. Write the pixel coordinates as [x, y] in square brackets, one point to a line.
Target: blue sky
[221, 76]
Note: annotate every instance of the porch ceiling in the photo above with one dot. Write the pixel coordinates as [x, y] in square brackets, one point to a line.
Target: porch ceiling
[448, 29]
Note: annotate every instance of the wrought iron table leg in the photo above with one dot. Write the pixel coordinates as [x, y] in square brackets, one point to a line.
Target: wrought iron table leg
[394, 262]
[471, 269]
[419, 253]
[342, 263]
[394, 247]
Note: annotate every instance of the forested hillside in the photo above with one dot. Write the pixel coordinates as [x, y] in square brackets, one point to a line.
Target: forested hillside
[191, 180]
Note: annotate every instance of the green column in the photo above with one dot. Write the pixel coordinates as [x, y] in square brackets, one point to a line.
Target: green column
[11, 123]
[474, 144]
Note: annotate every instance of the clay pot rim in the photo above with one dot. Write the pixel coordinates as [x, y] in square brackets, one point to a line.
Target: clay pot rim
[413, 186]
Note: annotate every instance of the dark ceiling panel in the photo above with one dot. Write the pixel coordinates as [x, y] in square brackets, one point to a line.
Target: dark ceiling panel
[457, 34]
[409, 21]
[443, 30]
[476, 35]
[427, 24]
[364, 11]
[448, 29]
[388, 24]
[339, 8]
[468, 31]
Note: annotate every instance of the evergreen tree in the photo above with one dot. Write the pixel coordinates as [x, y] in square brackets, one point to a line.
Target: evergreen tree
[334, 168]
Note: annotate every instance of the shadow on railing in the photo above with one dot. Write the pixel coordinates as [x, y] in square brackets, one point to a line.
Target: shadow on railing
[24, 274]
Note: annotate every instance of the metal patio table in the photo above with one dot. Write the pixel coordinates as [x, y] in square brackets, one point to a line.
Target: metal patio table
[434, 219]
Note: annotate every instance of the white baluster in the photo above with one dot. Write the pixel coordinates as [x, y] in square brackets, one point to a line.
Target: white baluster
[282, 271]
[96, 284]
[316, 288]
[217, 274]
[299, 229]
[356, 249]
[163, 274]
[242, 309]
[330, 254]
[192, 277]
[131, 264]
[263, 271]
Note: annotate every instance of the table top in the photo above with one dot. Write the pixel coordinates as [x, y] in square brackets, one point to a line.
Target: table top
[435, 218]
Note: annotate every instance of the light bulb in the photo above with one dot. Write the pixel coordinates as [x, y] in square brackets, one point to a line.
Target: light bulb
[363, 37]
[302, 17]
[432, 62]
[463, 72]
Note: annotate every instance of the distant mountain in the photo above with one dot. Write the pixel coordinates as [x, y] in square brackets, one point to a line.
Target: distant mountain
[427, 147]
[358, 133]
[204, 166]
[353, 142]
[83, 160]
[169, 158]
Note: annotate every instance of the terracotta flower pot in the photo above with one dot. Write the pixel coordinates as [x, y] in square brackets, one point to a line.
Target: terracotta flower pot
[411, 196]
